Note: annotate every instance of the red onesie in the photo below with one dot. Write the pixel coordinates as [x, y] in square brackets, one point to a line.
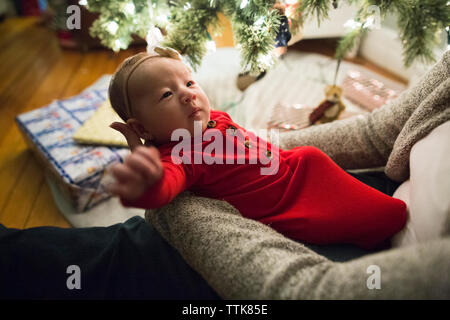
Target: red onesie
[302, 194]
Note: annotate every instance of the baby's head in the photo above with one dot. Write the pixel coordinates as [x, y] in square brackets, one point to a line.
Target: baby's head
[155, 94]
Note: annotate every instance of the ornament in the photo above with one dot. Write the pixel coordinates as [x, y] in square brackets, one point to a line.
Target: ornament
[283, 37]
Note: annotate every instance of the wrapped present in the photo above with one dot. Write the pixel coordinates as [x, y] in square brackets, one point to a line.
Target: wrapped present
[368, 91]
[79, 169]
[287, 117]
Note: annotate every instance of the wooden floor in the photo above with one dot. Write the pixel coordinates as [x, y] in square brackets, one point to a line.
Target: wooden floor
[34, 71]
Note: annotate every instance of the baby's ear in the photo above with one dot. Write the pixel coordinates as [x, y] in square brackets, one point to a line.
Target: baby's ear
[139, 129]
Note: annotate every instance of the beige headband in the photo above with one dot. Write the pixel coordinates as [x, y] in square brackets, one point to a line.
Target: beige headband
[160, 52]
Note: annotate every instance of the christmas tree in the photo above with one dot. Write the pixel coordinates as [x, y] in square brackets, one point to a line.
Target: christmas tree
[188, 25]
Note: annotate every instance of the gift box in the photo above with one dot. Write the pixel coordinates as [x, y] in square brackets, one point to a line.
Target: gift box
[288, 117]
[368, 91]
[78, 169]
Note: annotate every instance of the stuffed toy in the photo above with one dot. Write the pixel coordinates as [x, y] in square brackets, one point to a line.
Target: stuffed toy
[330, 108]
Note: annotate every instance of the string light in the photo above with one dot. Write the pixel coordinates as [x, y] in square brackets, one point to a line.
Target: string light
[259, 22]
[118, 44]
[129, 8]
[112, 27]
[369, 23]
[244, 3]
[210, 46]
[290, 11]
[448, 37]
[120, 19]
[162, 20]
[154, 38]
[266, 60]
[150, 7]
[352, 24]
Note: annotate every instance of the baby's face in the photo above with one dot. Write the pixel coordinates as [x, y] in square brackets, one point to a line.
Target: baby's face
[164, 97]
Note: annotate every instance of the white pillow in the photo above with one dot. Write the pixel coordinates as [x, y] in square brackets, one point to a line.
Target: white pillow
[427, 192]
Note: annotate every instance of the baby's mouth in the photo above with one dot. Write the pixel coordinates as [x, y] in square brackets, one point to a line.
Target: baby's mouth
[194, 112]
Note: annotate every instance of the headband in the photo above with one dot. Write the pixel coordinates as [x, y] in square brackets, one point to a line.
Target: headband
[159, 52]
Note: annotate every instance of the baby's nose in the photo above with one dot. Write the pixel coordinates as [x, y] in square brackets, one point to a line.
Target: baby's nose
[187, 98]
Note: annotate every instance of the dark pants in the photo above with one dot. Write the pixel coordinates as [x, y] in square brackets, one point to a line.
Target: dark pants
[129, 260]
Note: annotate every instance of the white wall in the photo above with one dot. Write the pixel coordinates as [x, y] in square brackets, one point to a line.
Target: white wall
[383, 47]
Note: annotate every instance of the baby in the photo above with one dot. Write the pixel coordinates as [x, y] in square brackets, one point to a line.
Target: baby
[305, 196]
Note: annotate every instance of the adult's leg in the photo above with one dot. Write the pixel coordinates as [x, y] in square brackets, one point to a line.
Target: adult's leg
[255, 262]
[129, 260]
[126, 260]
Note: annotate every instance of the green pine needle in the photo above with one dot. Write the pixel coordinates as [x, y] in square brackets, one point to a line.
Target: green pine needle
[255, 25]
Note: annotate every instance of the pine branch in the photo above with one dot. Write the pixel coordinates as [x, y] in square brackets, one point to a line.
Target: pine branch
[318, 8]
[255, 29]
[188, 32]
[419, 39]
[348, 42]
[255, 25]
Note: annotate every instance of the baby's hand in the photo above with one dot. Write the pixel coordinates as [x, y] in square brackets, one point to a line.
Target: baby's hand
[140, 170]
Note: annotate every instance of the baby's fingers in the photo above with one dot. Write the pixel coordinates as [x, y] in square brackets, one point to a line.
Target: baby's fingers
[128, 184]
[123, 191]
[130, 135]
[144, 167]
[124, 174]
[151, 154]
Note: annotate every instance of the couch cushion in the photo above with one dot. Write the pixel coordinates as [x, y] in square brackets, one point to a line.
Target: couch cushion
[427, 191]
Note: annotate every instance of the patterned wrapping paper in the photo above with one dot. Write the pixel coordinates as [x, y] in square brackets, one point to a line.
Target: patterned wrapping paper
[79, 169]
[287, 117]
[369, 92]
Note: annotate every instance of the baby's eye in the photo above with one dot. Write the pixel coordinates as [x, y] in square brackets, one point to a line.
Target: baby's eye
[190, 83]
[166, 94]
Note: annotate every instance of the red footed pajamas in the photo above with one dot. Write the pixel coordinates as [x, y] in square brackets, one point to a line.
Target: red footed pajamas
[305, 196]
